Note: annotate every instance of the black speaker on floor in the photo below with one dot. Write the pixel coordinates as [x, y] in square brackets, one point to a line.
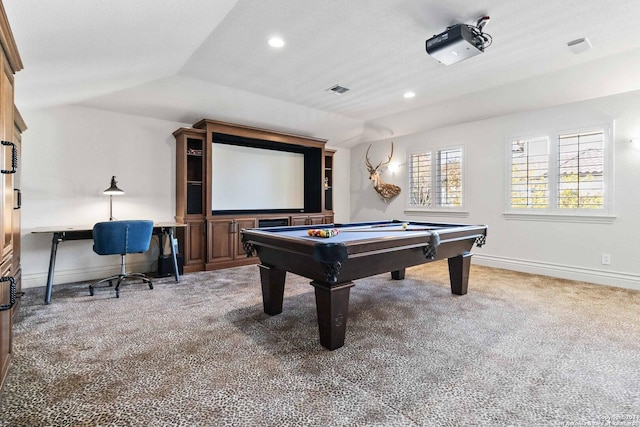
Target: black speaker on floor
[165, 265]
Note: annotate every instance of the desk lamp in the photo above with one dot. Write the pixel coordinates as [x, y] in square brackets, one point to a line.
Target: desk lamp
[113, 190]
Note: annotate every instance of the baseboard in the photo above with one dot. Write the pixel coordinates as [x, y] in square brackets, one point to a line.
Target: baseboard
[81, 274]
[590, 275]
[600, 277]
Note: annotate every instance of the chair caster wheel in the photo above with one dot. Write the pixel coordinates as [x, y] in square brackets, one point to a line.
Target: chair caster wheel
[150, 285]
[90, 291]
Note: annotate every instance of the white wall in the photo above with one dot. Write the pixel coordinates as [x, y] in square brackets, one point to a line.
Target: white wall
[69, 155]
[561, 249]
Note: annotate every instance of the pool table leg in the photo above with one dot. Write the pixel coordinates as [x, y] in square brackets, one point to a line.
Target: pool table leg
[272, 281]
[459, 273]
[332, 305]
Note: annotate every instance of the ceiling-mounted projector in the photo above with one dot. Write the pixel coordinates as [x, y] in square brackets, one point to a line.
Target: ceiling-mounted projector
[459, 42]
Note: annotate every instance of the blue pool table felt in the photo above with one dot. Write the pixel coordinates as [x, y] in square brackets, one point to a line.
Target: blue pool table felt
[366, 232]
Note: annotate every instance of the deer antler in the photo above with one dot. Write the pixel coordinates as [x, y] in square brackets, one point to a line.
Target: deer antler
[389, 160]
[370, 167]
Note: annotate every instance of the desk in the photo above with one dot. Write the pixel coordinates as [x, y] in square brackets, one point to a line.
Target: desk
[85, 232]
[358, 250]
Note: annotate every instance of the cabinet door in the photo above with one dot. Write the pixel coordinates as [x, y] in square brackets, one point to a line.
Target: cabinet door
[16, 211]
[240, 224]
[5, 324]
[316, 219]
[193, 245]
[221, 240]
[298, 220]
[7, 134]
[7, 205]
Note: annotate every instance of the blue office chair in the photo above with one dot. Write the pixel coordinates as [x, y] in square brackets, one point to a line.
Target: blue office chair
[121, 238]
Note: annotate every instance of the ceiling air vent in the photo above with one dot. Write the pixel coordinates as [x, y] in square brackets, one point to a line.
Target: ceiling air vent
[338, 89]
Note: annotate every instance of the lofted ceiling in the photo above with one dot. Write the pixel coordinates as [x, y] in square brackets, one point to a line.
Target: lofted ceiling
[187, 60]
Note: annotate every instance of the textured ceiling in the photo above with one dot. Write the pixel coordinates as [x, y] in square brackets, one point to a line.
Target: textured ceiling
[183, 61]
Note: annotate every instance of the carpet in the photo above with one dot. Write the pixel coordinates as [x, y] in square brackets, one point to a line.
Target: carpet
[517, 350]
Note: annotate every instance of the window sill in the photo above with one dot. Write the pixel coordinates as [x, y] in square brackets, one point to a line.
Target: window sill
[437, 212]
[554, 217]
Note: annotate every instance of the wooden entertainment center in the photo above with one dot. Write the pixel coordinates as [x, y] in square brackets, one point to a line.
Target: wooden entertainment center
[212, 239]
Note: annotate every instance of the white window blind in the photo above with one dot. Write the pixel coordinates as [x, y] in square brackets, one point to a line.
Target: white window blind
[566, 176]
[420, 180]
[530, 173]
[449, 178]
[581, 179]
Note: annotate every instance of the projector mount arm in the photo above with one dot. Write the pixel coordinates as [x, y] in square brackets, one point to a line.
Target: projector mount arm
[477, 31]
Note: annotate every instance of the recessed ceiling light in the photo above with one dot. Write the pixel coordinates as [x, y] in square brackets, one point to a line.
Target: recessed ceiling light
[409, 94]
[276, 42]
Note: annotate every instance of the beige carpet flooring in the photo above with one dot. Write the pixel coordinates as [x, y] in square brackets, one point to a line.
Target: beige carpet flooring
[517, 350]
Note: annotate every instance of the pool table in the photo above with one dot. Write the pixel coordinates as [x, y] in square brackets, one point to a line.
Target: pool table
[358, 250]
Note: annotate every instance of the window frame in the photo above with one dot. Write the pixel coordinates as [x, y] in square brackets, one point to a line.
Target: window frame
[554, 212]
[509, 175]
[433, 209]
[410, 180]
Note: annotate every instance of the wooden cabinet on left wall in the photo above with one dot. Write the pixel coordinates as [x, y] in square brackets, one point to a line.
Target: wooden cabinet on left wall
[11, 128]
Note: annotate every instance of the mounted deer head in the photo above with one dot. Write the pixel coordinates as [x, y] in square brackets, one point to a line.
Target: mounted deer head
[386, 191]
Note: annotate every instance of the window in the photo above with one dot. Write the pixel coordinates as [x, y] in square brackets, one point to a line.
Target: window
[568, 176]
[581, 171]
[530, 173]
[449, 178]
[420, 179]
[442, 178]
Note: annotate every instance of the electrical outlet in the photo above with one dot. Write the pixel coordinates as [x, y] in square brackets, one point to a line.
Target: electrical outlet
[606, 259]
